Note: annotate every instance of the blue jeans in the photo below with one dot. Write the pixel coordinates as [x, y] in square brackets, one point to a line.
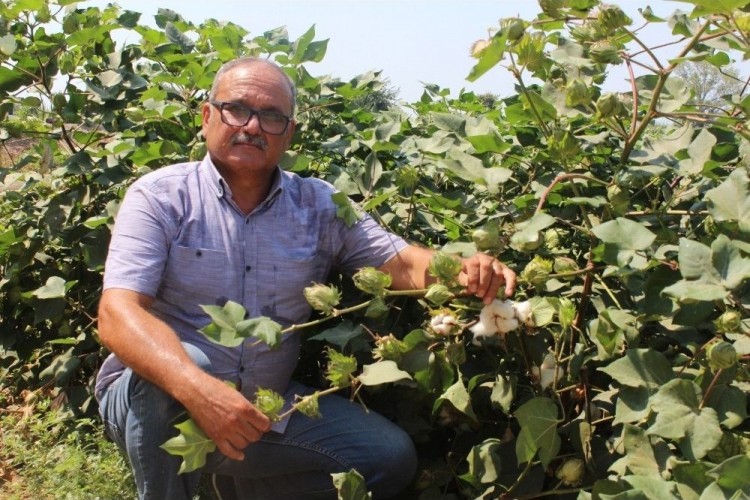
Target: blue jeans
[294, 465]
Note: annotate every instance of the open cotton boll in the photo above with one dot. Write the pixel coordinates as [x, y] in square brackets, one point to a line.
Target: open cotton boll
[482, 330]
[523, 312]
[546, 372]
[506, 325]
[503, 308]
[444, 324]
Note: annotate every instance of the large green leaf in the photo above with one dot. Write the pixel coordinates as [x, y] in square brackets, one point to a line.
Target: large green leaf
[382, 372]
[699, 152]
[191, 444]
[733, 474]
[459, 398]
[730, 200]
[626, 236]
[538, 418]
[679, 416]
[262, 328]
[640, 368]
[709, 273]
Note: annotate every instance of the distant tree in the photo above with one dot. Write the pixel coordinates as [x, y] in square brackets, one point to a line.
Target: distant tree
[488, 99]
[382, 98]
[710, 84]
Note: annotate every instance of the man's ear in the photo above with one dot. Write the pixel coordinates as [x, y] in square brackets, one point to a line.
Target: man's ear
[205, 115]
[290, 132]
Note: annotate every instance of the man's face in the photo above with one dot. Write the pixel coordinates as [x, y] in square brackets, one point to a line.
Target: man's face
[248, 150]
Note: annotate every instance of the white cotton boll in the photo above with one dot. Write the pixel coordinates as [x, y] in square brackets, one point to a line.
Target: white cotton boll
[487, 318]
[480, 330]
[547, 372]
[523, 312]
[503, 308]
[443, 329]
[506, 325]
[436, 320]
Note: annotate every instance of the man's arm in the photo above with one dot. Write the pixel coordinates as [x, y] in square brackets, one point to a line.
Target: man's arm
[481, 274]
[153, 350]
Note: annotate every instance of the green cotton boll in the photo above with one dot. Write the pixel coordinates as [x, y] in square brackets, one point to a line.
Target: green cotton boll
[513, 27]
[269, 403]
[438, 294]
[551, 7]
[308, 406]
[553, 238]
[619, 199]
[563, 145]
[729, 322]
[577, 93]
[721, 355]
[609, 106]
[340, 368]
[571, 471]
[612, 18]
[444, 267]
[537, 271]
[605, 52]
[372, 281]
[389, 348]
[322, 298]
[487, 237]
[564, 265]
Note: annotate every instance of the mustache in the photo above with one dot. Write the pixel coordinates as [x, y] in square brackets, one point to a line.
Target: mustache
[255, 140]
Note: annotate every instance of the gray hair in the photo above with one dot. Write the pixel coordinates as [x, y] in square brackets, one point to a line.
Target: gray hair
[250, 61]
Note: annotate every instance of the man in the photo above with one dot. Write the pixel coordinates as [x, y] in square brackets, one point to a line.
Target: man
[235, 227]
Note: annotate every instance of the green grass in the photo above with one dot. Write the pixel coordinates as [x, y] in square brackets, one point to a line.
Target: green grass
[45, 454]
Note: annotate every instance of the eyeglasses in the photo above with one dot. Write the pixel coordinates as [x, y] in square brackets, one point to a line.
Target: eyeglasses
[239, 115]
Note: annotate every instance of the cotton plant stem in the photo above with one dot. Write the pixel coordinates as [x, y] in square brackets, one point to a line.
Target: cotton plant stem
[316, 394]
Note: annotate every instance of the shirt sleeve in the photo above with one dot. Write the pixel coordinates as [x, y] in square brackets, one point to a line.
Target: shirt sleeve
[140, 242]
[366, 243]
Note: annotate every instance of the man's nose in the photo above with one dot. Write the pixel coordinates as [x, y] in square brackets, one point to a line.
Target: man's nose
[253, 124]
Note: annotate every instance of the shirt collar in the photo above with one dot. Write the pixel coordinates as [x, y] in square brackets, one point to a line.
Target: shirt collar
[221, 188]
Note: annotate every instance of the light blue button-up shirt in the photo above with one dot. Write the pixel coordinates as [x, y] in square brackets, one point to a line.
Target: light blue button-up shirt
[180, 239]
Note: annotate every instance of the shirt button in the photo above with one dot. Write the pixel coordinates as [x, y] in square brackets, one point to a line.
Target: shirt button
[247, 269]
[198, 253]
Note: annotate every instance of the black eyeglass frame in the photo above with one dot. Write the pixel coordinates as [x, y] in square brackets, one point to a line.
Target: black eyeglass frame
[251, 112]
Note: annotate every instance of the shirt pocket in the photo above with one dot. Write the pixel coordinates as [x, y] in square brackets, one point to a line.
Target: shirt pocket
[196, 276]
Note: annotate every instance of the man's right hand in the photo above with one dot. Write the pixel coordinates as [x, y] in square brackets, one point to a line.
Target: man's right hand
[227, 417]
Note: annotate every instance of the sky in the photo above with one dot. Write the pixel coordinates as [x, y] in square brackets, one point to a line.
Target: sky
[412, 42]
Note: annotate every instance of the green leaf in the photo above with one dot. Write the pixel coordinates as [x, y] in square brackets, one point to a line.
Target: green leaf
[340, 335]
[504, 392]
[223, 326]
[345, 209]
[8, 44]
[350, 486]
[641, 457]
[382, 372]
[485, 461]
[704, 7]
[733, 474]
[653, 488]
[699, 152]
[538, 420]
[679, 417]
[730, 404]
[640, 368]
[459, 398]
[179, 38]
[730, 200]
[191, 444]
[626, 236]
[54, 288]
[261, 328]
[489, 57]
[632, 405]
[709, 273]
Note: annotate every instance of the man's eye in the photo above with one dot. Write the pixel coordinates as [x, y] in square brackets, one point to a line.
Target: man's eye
[272, 116]
[235, 109]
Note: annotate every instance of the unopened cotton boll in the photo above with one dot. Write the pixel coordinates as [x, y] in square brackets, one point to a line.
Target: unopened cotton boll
[523, 312]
